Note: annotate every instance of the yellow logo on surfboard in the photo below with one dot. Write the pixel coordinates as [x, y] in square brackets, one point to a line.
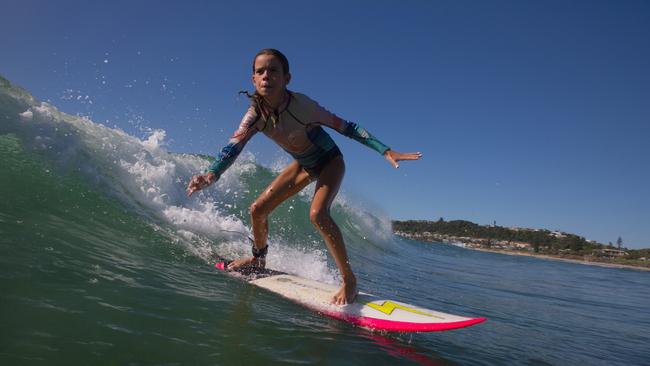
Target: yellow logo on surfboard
[387, 307]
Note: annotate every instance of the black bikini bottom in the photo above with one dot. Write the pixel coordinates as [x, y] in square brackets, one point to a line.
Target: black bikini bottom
[322, 162]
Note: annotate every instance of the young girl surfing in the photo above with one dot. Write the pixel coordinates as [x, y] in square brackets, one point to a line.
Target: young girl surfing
[294, 122]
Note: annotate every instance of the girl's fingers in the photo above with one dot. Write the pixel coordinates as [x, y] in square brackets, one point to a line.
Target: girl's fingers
[193, 186]
[393, 160]
[408, 156]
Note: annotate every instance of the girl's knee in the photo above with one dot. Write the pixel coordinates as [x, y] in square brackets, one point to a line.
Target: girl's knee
[258, 209]
[319, 218]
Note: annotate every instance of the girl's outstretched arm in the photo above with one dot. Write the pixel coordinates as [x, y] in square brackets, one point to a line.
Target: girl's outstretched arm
[360, 134]
[228, 154]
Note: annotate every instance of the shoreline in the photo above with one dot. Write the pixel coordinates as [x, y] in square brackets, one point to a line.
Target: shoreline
[557, 258]
[520, 248]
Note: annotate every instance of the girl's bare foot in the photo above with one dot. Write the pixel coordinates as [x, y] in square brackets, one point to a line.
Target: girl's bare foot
[347, 293]
[246, 262]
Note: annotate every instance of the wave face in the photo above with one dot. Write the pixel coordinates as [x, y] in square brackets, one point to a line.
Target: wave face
[148, 182]
[105, 260]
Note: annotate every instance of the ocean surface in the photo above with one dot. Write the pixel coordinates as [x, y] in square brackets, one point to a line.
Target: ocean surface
[105, 261]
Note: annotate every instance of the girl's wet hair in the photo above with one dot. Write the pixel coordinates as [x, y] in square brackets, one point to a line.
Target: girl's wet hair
[273, 52]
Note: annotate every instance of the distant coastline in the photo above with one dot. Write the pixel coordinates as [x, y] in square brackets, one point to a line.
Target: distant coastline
[539, 243]
[564, 259]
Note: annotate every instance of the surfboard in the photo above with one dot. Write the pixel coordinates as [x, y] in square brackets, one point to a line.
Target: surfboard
[368, 311]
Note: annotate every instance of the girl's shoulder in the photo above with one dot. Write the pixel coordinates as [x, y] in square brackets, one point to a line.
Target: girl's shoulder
[302, 99]
[252, 117]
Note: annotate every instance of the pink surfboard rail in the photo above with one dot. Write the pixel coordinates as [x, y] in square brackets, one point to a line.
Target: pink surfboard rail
[396, 326]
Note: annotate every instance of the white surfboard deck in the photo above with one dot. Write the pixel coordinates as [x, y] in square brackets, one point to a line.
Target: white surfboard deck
[368, 311]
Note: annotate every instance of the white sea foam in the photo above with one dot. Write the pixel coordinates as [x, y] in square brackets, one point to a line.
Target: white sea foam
[27, 115]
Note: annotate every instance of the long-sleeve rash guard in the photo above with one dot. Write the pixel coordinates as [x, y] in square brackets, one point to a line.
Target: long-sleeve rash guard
[297, 129]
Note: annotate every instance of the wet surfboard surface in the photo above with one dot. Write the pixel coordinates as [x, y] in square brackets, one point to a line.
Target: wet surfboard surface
[368, 311]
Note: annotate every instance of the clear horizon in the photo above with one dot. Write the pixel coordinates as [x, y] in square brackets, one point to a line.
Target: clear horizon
[531, 114]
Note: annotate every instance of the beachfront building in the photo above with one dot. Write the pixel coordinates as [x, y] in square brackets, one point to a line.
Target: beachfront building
[610, 253]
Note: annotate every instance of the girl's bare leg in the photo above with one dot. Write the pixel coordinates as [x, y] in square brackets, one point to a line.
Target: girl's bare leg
[290, 181]
[327, 186]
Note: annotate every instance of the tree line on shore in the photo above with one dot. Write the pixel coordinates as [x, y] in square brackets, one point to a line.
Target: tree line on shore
[539, 239]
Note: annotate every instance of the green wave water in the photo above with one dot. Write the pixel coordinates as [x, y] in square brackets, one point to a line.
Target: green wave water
[105, 261]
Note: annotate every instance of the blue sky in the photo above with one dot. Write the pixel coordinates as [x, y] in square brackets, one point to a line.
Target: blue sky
[533, 114]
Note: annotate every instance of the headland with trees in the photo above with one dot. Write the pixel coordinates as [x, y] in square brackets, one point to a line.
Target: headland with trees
[523, 241]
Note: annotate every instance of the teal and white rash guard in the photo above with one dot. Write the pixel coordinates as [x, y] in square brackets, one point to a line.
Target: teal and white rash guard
[296, 127]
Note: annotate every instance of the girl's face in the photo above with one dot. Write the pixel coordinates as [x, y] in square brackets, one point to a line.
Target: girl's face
[268, 76]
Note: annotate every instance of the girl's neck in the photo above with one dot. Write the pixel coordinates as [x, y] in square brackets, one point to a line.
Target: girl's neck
[274, 102]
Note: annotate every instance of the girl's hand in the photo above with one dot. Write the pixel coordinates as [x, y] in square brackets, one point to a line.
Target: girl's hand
[393, 157]
[200, 181]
